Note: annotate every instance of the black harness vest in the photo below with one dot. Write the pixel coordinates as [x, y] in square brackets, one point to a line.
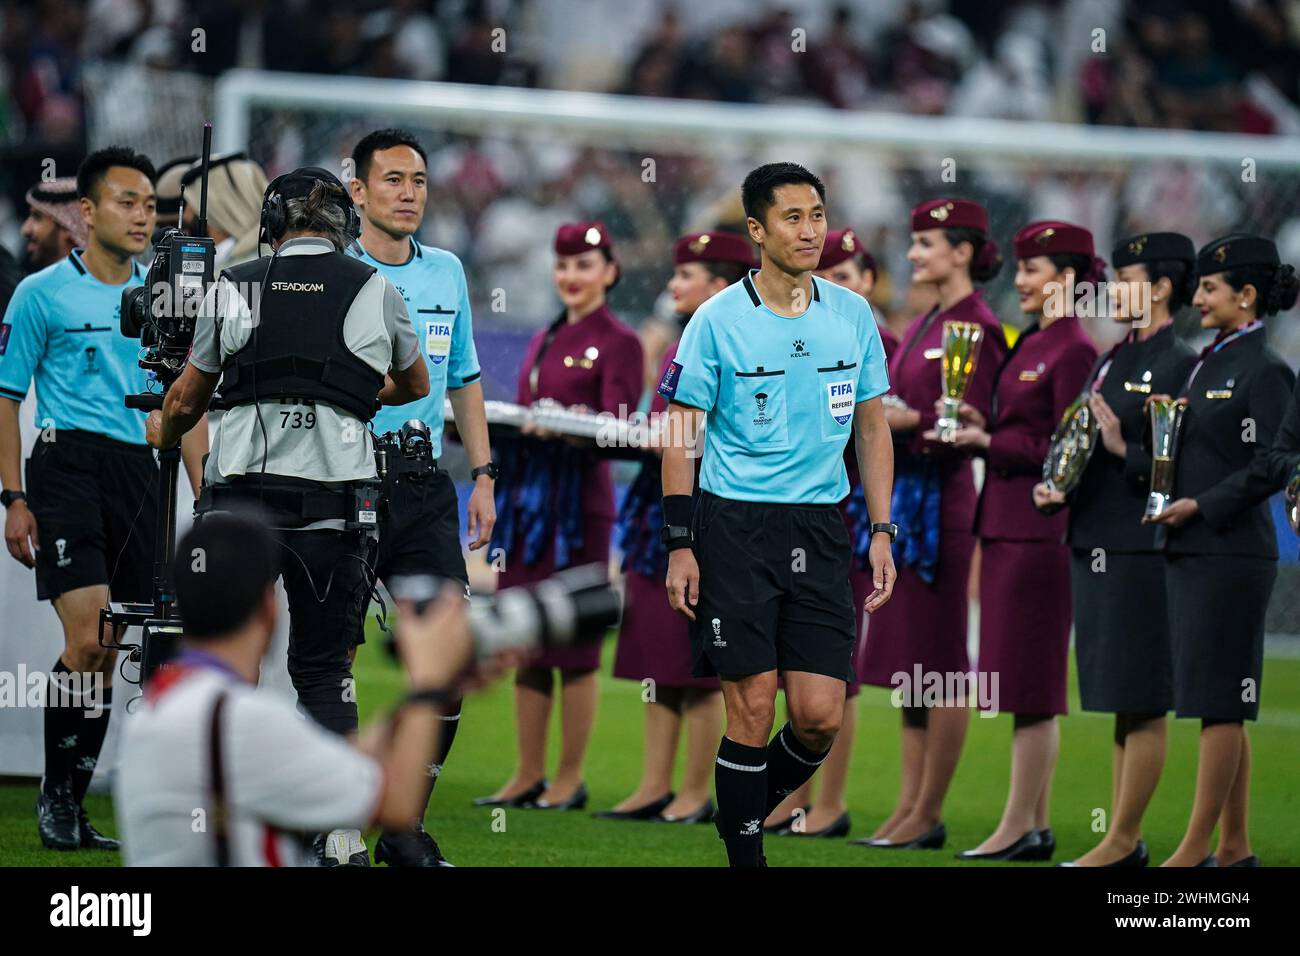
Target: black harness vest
[292, 353]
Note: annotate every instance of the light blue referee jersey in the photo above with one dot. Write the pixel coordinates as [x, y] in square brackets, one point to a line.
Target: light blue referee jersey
[62, 327]
[432, 282]
[779, 392]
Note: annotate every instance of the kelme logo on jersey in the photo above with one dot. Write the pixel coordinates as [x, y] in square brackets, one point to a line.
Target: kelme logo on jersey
[437, 341]
[672, 375]
[799, 351]
[839, 401]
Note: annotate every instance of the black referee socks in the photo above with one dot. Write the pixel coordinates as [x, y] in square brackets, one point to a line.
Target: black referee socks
[740, 781]
[76, 721]
[789, 765]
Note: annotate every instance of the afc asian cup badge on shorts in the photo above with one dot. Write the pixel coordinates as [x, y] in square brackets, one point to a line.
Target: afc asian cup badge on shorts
[437, 341]
[839, 401]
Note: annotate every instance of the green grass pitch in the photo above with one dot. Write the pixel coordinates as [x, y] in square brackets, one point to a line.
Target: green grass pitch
[484, 756]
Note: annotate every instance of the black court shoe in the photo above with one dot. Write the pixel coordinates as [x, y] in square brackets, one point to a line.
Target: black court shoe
[1210, 860]
[837, 828]
[410, 848]
[703, 815]
[1030, 842]
[523, 799]
[92, 839]
[785, 824]
[58, 820]
[1251, 861]
[649, 811]
[576, 802]
[1139, 857]
[930, 840]
[1046, 847]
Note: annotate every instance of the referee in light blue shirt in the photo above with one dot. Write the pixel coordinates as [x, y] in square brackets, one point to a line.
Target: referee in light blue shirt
[422, 534]
[88, 526]
[785, 367]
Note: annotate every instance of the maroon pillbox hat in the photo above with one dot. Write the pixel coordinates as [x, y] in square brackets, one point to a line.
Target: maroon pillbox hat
[840, 246]
[575, 238]
[1051, 237]
[950, 214]
[713, 247]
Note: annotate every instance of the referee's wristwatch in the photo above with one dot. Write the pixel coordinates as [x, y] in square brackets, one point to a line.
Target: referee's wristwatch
[9, 497]
[490, 469]
[888, 528]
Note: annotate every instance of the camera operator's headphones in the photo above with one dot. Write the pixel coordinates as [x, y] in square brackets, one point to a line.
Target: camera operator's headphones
[298, 184]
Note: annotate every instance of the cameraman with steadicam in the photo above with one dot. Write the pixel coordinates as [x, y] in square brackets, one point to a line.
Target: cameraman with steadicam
[302, 342]
[214, 772]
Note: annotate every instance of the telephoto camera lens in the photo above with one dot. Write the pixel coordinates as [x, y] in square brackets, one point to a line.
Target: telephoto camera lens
[575, 606]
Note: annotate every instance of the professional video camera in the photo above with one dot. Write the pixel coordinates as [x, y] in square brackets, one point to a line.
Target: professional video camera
[163, 312]
[574, 606]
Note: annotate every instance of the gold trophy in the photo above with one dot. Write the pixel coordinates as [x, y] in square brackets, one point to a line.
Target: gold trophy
[1071, 447]
[1166, 423]
[961, 347]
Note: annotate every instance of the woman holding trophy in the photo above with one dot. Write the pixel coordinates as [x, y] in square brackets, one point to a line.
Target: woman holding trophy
[924, 626]
[1025, 568]
[1117, 574]
[555, 502]
[1221, 552]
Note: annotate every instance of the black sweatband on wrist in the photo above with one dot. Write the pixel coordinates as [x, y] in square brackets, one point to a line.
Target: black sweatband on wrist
[677, 510]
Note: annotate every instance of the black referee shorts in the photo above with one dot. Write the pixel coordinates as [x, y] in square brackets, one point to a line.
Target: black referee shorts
[774, 589]
[95, 500]
[422, 532]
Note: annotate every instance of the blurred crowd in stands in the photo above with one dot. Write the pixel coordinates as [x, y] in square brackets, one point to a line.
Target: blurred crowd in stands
[1230, 65]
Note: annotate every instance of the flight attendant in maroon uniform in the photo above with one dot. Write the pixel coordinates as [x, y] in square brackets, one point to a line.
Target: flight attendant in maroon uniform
[846, 262]
[653, 641]
[555, 503]
[934, 492]
[1025, 608]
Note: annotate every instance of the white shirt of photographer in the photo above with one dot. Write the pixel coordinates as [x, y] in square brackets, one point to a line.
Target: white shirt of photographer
[284, 776]
[316, 442]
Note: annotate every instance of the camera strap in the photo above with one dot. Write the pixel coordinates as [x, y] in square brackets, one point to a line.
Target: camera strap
[217, 781]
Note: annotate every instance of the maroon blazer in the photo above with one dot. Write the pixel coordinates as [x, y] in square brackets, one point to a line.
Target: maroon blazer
[915, 373]
[596, 362]
[1044, 372]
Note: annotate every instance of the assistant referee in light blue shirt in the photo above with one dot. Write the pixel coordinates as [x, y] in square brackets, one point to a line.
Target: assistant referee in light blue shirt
[785, 367]
[422, 532]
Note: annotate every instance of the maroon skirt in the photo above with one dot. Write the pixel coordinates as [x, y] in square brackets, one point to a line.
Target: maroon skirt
[594, 550]
[653, 640]
[923, 623]
[1025, 614]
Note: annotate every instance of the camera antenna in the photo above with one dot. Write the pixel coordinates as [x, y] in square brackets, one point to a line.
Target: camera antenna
[202, 227]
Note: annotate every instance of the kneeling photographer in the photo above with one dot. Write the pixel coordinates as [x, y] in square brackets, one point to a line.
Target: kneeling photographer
[303, 341]
[214, 772]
